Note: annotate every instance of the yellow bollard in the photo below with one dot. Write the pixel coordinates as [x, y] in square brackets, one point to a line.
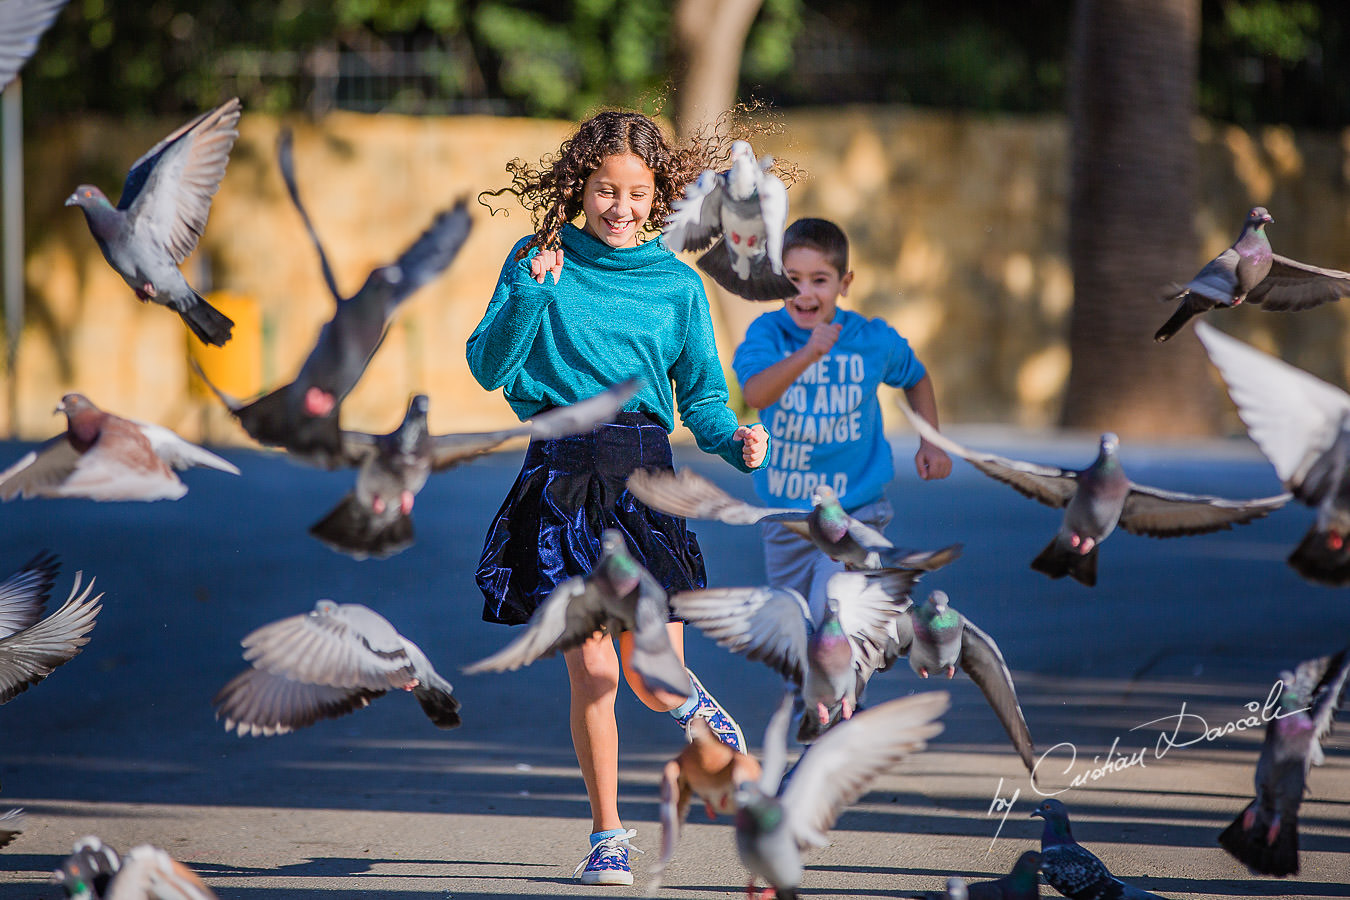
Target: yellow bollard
[236, 368]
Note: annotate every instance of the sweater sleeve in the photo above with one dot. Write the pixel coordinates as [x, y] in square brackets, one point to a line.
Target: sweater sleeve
[701, 387]
[499, 345]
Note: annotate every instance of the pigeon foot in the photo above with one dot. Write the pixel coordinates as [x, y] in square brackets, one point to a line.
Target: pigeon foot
[318, 402]
[923, 672]
[405, 502]
[1273, 831]
[951, 671]
[377, 504]
[412, 685]
[708, 807]
[823, 714]
[1248, 819]
[1335, 541]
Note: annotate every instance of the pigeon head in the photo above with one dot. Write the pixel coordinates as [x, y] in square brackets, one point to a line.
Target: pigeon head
[938, 601]
[84, 419]
[1258, 217]
[1109, 444]
[743, 178]
[1026, 867]
[324, 607]
[756, 811]
[611, 541]
[88, 196]
[73, 404]
[956, 888]
[1056, 818]
[824, 495]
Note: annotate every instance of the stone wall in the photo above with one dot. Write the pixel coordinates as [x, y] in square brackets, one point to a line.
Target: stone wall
[958, 226]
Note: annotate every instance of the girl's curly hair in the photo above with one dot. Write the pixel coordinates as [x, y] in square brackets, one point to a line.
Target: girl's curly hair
[552, 190]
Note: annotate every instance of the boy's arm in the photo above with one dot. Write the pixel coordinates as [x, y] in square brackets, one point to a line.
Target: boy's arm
[763, 389]
[931, 461]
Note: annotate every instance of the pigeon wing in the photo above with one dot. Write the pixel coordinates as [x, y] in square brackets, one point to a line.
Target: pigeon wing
[257, 703]
[1292, 416]
[1048, 484]
[983, 662]
[12, 824]
[690, 495]
[286, 162]
[567, 617]
[1329, 694]
[326, 648]
[428, 256]
[449, 450]
[1157, 513]
[1291, 286]
[763, 623]
[583, 415]
[167, 194]
[773, 208]
[29, 656]
[435, 695]
[867, 604]
[179, 453]
[40, 470]
[22, 23]
[654, 658]
[1218, 280]
[695, 219]
[23, 595]
[673, 808]
[148, 873]
[843, 762]
[775, 746]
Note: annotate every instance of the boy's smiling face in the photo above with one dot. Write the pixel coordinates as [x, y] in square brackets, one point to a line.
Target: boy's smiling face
[819, 286]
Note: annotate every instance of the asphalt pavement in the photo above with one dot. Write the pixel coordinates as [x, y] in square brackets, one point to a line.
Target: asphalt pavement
[1178, 638]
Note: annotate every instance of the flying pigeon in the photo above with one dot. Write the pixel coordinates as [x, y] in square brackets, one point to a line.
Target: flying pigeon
[937, 639]
[302, 417]
[618, 595]
[22, 23]
[12, 824]
[1302, 425]
[1071, 868]
[829, 659]
[745, 211]
[1097, 499]
[324, 664]
[374, 519]
[31, 647]
[706, 767]
[840, 536]
[106, 457]
[96, 871]
[1264, 836]
[776, 823]
[1250, 270]
[162, 213]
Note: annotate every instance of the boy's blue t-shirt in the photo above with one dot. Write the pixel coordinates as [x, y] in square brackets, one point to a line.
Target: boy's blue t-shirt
[827, 428]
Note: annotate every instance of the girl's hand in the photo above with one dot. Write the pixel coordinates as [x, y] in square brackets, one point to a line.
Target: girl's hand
[546, 261]
[932, 462]
[754, 444]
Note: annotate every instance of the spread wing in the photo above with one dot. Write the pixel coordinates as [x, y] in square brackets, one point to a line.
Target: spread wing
[23, 595]
[257, 702]
[1329, 694]
[570, 615]
[868, 602]
[687, 493]
[773, 207]
[179, 453]
[167, 194]
[29, 656]
[695, 219]
[673, 808]
[321, 649]
[1157, 513]
[428, 256]
[764, 623]
[22, 23]
[1291, 286]
[983, 662]
[39, 470]
[1048, 484]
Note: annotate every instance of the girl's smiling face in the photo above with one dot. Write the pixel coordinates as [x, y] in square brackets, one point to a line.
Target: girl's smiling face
[618, 199]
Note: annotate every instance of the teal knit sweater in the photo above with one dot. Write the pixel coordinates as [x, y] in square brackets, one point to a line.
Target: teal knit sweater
[613, 314]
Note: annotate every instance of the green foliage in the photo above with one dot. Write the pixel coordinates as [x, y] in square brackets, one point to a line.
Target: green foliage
[1283, 29]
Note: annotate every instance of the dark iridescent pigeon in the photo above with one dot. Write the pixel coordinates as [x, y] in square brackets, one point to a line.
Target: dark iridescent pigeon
[776, 823]
[95, 871]
[22, 23]
[838, 535]
[1302, 425]
[618, 595]
[302, 417]
[1071, 868]
[825, 659]
[745, 211]
[375, 519]
[31, 647]
[937, 638]
[1250, 270]
[101, 456]
[162, 213]
[1097, 499]
[1022, 883]
[326, 663]
[1264, 836]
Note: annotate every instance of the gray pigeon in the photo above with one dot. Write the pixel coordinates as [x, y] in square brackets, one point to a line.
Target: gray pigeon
[937, 638]
[1097, 499]
[745, 211]
[375, 519]
[774, 826]
[162, 213]
[618, 595]
[1264, 836]
[1022, 883]
[22, 23]
[1302, 425]
[326, 663]
[1071, 868]
[32, 647]
[12, 824]
[95, 871]
[838, 535]
[101, 456]
[825, 659]
[1250, 270]
[302, 417]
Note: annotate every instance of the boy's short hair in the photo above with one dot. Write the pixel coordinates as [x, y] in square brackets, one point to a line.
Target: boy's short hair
[820, 235]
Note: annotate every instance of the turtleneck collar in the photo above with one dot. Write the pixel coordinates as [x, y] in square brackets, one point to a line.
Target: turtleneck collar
[585, 246]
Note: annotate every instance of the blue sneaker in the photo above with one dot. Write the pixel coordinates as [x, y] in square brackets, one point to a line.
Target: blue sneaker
[721, 722]
[607, 863]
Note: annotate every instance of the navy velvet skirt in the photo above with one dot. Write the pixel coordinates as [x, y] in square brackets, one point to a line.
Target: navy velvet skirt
[567, 492]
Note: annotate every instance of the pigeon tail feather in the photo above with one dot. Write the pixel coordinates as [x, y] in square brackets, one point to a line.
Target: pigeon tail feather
[351, 528]
[210, 325]
[1179, 318]
[1249, 846]
[1057, 561]
[763, 284]
[1323, 557]
[268, 420]
[438, 703]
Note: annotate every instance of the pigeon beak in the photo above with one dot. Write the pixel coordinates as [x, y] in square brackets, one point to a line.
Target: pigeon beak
[60, 408]
[73, 200]
[1036, 814]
